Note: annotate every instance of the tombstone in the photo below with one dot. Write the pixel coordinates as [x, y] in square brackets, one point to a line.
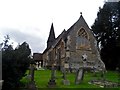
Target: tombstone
[65, 81]
[79, 76]
[39, 65]
[31, 84]
[80, 71]
[31, 72]
[52, 82]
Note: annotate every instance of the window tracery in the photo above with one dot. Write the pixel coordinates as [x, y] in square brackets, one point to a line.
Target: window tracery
[83, 33]
[82, 40]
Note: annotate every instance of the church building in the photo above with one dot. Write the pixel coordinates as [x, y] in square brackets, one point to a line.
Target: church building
[72, 47]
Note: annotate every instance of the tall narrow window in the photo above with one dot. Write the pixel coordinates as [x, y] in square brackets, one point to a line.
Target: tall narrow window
[82, 41]
[62, 49]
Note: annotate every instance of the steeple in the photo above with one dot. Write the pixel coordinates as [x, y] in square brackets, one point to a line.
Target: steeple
[51, 37]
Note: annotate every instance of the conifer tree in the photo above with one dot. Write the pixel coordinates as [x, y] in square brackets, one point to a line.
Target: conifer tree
[106, 29]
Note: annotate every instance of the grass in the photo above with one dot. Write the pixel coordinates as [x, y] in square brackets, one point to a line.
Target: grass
[112, 76]
[42, 78]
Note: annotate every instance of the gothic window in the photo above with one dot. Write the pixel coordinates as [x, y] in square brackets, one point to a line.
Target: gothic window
[82, 33]
[82, 41]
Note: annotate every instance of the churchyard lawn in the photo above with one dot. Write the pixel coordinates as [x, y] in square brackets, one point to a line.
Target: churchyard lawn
[42, 78]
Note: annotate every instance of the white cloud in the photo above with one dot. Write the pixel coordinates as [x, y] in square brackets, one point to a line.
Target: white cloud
[36, 44]
[34, 17]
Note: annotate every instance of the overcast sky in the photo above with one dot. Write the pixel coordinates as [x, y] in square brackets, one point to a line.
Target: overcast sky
[30, 20]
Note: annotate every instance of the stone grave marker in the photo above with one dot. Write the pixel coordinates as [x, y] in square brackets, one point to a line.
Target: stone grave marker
[37, 65]
[31, 84]
[65, 81]
[79, 76]
[52, 82]
[80, 71]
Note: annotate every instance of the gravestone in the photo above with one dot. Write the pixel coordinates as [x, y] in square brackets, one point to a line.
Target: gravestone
[80, 71]
[52, 82]
[31, 84]
[65, 81]
[37, 65]
[79, 76]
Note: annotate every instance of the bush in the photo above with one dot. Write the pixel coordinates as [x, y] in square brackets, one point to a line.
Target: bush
[14, 65]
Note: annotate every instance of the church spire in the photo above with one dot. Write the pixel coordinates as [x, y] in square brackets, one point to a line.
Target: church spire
[51, 37]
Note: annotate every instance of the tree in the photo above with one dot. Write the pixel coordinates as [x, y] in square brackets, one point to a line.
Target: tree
[14, 64]
[106, 29]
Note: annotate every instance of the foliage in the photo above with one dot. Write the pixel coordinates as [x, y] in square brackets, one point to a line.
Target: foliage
[14, 64]
[106, 29]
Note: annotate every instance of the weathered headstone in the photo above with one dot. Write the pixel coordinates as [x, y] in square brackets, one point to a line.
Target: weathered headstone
[65, 81]
[31, 84]
[80, 71]
[31, 71]
[52, 82]
[39, 65]
[79, 76]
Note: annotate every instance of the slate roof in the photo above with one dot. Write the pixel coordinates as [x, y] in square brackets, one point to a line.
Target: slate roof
[37, 56]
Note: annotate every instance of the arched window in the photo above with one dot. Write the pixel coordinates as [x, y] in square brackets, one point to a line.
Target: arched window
[82, 33]
[82, 41]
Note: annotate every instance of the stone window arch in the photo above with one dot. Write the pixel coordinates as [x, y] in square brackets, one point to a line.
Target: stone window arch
[82, 33]
[82, 40]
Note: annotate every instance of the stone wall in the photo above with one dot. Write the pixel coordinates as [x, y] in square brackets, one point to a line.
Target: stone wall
[71, 45]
